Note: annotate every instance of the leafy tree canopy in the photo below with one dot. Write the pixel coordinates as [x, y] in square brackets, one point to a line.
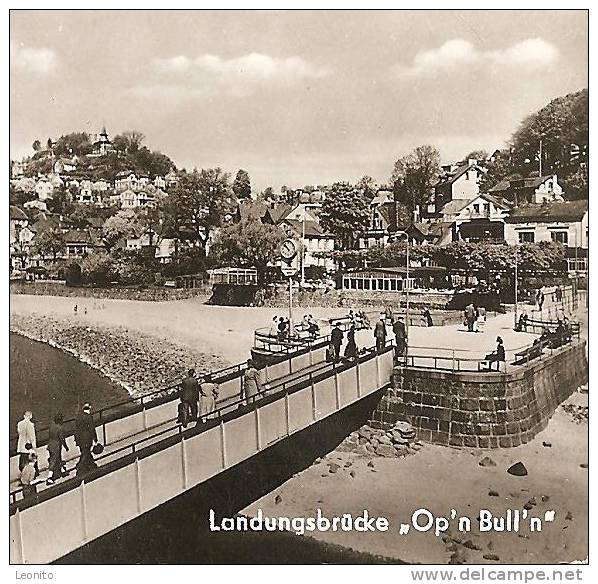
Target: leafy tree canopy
[345, 213]
[415, 175]
[249, 243]
[242, 185]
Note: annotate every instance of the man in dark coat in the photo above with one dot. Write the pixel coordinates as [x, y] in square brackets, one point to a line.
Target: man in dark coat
[400, 336]
[85, 437]
[189, 395]
[336, 340]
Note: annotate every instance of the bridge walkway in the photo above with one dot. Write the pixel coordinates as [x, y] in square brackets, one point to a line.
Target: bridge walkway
[168, 428]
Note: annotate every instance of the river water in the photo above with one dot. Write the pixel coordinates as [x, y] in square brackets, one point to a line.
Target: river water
[46, 380]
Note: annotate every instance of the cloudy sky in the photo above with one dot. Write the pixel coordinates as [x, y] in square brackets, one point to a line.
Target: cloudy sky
[294, 97]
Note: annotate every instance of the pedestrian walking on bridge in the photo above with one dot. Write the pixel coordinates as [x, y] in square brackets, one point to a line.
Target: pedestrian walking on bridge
[189, 396]
[85, 438]
[26, 442]
[56, 443]
[251, 385]
[400, 336]
[336, 340]
[208, 391]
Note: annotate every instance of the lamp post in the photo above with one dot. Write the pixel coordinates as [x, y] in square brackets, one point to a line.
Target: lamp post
[516, 284]
[404, 234]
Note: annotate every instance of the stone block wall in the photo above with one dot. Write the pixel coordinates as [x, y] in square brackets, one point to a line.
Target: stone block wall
[483, 410]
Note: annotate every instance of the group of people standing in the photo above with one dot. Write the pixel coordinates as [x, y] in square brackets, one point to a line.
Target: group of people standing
[475, 318]
[86, 440]
[398, 328]
[197, 399]
[280, 328]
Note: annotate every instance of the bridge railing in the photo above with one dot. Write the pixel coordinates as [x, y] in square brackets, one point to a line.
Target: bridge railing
[462, 360]
[277, 388]
[144, 415]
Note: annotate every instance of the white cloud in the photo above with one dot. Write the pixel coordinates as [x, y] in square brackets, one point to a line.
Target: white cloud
[209, 75]
[253, 67]
[458, 53]
[35, 60]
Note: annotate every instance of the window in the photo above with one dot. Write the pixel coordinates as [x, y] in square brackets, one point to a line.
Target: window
[487, 208]
[526, 237]
[476, 208]
[560, 237]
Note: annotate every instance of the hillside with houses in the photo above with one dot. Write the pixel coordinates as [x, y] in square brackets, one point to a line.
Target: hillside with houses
[112, 210]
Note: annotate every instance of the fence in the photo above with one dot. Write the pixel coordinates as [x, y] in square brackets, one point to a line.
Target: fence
[119, 421]
[454, 360]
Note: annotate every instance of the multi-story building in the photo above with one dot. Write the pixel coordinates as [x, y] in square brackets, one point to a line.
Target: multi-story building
[535, 190]
[565, 222]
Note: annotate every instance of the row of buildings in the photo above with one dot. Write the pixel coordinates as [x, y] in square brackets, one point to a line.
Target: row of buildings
[517, 211]
[514, 211]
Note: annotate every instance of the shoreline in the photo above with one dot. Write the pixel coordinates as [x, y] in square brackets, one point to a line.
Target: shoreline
[137, 362]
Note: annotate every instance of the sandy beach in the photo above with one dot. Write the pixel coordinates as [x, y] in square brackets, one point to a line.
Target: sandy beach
[440, 479]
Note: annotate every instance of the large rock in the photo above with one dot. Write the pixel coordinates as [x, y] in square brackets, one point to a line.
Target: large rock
[518, 469]
[386, 450]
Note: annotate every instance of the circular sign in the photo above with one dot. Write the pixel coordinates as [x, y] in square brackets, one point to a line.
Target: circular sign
[288, 249]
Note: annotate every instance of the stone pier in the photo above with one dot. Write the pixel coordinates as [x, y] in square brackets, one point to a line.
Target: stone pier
[483, 410]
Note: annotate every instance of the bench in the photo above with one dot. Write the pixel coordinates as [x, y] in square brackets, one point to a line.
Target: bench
[528, 354]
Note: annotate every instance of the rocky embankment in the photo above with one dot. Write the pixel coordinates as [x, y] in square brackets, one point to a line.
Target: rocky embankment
[139, 362]
[399, 441]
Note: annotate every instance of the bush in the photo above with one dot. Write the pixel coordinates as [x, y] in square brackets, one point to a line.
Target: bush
[98, 269]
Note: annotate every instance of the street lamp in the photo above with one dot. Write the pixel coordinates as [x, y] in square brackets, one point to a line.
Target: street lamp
[516, 286]
[402, 234]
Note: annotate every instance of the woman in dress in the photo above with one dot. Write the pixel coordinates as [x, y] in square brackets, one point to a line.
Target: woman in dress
[208, 395]
[56, 442]
[251, 382]
[351, 348]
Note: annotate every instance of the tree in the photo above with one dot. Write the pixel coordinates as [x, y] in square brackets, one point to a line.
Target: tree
[242, 185]
[199, 203]
[249, 243]
[74, 143]
[98, 268]
[37, 145]
[119, 226]
[128, 142]
[267, 194]
[25, 185]
[152, 163]
[498, 169]
[49, 242]
[576, 185]
[345, 213]
[561, 123]
[367, 186]
[415, 175]
[479, 155]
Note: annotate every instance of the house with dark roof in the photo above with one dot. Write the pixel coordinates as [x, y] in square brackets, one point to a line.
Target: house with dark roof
[481, 218]
[430, 233]
[459, 182]
[565, 222]
[538, 189]
[383, 221]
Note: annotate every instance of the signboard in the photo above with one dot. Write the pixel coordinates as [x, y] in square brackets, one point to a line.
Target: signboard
[288, 270]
